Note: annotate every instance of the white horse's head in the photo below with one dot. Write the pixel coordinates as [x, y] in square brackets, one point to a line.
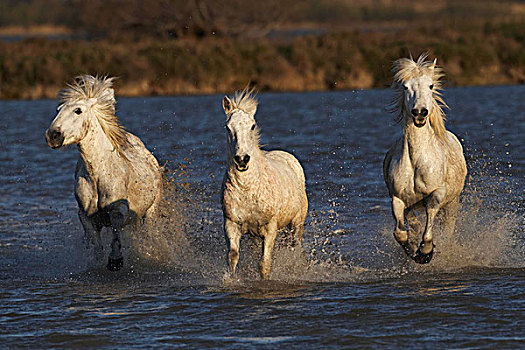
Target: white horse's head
[242, 131]
[418, 84]
[86, 101]
[418, 97]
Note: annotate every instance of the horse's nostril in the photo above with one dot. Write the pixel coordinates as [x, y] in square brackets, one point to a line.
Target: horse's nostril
[54, 138]
[55, 135]
[242, 161]
[424, 112]
[414, 112]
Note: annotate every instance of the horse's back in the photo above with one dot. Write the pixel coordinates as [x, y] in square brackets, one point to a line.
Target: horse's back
[292, 186]
[138, 151]
[144, 177]
[283, 158]
[140, 157]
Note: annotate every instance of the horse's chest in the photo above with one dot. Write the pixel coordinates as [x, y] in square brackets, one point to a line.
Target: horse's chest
[248, 207]
[424, 179]
[414, 180]
[411, 180]
[94, 195]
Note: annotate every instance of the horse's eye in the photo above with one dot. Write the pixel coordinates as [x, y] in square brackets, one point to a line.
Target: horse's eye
[405, 87]
[253, 127]
[431, 86]
[77, 111]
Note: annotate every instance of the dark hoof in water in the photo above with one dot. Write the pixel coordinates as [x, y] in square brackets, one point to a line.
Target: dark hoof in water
[115, 264]
[421, 258]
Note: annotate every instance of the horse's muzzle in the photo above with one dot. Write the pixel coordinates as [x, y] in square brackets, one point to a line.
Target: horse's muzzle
[242, 162]
[54, 138]
[420, 121]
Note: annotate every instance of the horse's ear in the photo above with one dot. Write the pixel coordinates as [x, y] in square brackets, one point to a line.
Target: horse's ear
[227, 105]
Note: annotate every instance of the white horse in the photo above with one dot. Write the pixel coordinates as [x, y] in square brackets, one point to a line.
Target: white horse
[425, 168]
[262, 192]
[118, 180]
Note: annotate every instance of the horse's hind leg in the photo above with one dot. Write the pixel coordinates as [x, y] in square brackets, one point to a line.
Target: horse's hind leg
[151, 214]
[117, 214]
[297, 229]
[297, 239]
[297, 235]
[91, 234]
[450, 212]
[400, 232]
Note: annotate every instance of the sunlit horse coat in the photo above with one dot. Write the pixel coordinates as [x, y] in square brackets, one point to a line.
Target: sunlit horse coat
[117, 179]
[425, 168]
[263, 192]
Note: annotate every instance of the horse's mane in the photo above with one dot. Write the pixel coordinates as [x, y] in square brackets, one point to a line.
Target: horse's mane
[87, 87]
[245, 101]
[405, 69]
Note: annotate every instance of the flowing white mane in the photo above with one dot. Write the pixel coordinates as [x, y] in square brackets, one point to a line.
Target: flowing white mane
[245, 101]
[405, 69]
[86, 87]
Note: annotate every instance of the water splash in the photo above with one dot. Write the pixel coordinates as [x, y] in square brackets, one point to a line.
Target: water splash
[162, 240]
[187, 237]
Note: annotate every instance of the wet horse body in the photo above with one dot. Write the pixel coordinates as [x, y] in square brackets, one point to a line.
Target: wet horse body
[125, 190]
[425, 168]
[263, 192]
[118, 180]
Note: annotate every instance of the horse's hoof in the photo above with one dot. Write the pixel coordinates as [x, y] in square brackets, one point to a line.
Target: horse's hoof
[421, 258]
[115, 264]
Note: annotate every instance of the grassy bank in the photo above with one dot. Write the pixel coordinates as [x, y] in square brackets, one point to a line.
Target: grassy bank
[486, 54]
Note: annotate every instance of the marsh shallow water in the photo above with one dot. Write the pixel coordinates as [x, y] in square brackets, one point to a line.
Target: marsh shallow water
[355, 288]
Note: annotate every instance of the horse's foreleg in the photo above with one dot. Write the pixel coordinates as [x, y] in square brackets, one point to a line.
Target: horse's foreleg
[400, 232]
[118, 214]
[297, 238]
[298, 235]
[426, 248]
[269, 232]
[91, 234]
[450, 216]
[297, 226]
[233, 236]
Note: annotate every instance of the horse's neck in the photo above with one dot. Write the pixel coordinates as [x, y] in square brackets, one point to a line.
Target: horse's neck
[418, 141]
[250, 178]
[96, 151]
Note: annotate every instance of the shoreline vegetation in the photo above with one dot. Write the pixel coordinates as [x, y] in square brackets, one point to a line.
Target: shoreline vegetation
[313, 53]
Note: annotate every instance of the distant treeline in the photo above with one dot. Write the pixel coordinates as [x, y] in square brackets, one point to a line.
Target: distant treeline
[477, 43]
[118, 19]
